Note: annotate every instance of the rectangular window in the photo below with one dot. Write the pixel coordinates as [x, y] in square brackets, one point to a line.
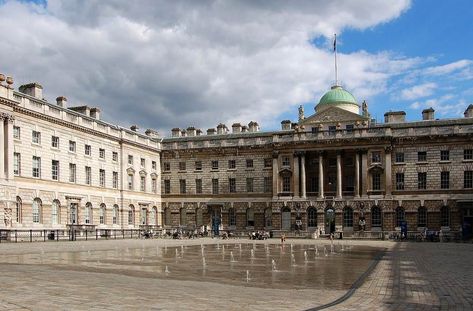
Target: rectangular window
[182, 186]
[167, 186]
[153, 165]
[375, 157]
[422, 156]
[154, 185]
[231, 164]
[215, 165]
[36, 138]
[102, 178]
[267, 184]
[232, 185]
[444, 180]
[468, 179]
[444, 155]
[102, 153]
[286, 162]
[376, 179]
[72, 172]
[313, 184]
[332, 129]
[166, 166]
[143, 162]
[54, 141]
[268, 162]
[130, 159]
[114, 156]
[88, 175]
[399, 157]
[349, 128]
[399, 181]
[36, 167]
[182, 166]
[249, 163]
[55, 170]
[88, 150]
[198, 186]
[286, 184]
[16, 132]
[16, 164]
[468, 154]
[115, 180]
[130, 182]
[214, 186]
[421, 180]
[142, 183]
[249, 185]
[72, 146]
[315, 130]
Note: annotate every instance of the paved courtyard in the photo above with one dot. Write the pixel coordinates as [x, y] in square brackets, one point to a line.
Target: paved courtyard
[408, 276]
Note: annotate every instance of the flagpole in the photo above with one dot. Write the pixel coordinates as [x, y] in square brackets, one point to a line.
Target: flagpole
[335, 54]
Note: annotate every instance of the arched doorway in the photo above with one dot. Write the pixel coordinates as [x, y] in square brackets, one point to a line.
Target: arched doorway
[329, 219]
[286, 219]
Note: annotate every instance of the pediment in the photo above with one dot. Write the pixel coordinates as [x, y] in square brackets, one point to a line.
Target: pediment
[333, 114]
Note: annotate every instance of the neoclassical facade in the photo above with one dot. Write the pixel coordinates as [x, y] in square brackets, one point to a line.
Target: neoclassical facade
[63, 166]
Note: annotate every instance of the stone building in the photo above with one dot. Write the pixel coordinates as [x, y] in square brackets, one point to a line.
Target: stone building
[63, 166]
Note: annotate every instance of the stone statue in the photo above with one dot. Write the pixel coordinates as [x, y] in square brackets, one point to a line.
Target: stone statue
[8, 217]
[364, 109]
[301, 113]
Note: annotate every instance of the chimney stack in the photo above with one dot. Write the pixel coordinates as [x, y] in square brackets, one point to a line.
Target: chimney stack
[175, 132]
[61, 101]
[95, 113]
[286, 125]
[236, 128]
[253, 126]
[222, 129]
[134, 128]
[191, 131]
[469, 112]
[395, 117]
[428, 114]
[33, 89]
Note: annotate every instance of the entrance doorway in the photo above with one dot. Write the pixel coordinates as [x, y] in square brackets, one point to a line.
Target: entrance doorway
[467, 219]
[329, 220]
[286, 219]
[216, 219]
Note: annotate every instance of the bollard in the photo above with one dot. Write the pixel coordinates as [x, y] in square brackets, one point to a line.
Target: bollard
[31, 235]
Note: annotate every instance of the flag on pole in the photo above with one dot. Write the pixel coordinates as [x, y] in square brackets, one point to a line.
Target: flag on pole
[335, 43]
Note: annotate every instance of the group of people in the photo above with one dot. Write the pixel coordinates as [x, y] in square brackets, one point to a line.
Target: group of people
[258, 235]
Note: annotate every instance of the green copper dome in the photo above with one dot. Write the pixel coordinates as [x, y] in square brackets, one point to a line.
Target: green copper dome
[337, 95]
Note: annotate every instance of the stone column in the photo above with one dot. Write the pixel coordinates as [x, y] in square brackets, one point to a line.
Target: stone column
[303, 177]
[2, 146]
[387, 170]
[275, 174]
[296, 175]
[364, 173]
[9, 147]
[357, 174]
[339, 175]
[321, 175]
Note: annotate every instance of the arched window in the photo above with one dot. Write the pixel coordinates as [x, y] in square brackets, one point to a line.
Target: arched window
[199, 218]
[167, 216]
[311, 217]
[131, 215]
[376, 216]
[36, 208]
[347, 217]
[250, 217]
[115, 214]
[102, 214]
[231, 217]
[286, 218]
[152, 216]
[268, 217]
[88, 213]
[183, 214]
[445, 216]
[55, 212]
[422, 217]
[19, 206]
[400, 215]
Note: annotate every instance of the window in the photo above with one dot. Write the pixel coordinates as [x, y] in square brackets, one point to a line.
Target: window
[130, 159]
[315, 130]
[153, 165]
[198, 186]
[400, 216]
[332, 129]
[102, 214]
[72, 172]
[55, 170]
[130, 182]
[422, 156]
[154, 185]
[311, 217]
[231, 217]
[115, 214]
[16, 164]
[231, 164]
[102, 178]
[268, 162]
[422, 217]
[36, 137]
[183, 214]
[72, 146]
[88, 150]
[88, 213]
[166, 166]
[102, 153]
[199, 217]
[250, 217]
[131, 215]
[198, 165]
[313, 184]
[182, 166]
[36, 167]
[376, 180]
[115, 180]
[399, 157]
[215, 165]
[421, 180]
[444, 155]
[249, 184]
[143, 162]
[376, 216]
[232, 185]
[249, 163]
[142, 183]
[182, 186]
[444, 180]
[399, 181]
[18, 209]
[16, 132]
[468, 179]
[286, 184]
[167, 216]
[267, 184]
[468, 154]
[36, 211]
[214, 186]
[55, 212]
[114, 156]
[445, 216]
[167, 186]
[286, 162]
[54, 141]
[348, 217]
[376, 157]
[88, 175]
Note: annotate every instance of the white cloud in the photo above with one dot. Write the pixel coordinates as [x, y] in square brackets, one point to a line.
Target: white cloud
[418, 91]
[444, 105]
[448, 68]
[163, 64]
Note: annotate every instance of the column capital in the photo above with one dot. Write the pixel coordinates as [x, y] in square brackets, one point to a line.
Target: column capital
[388, 149]
[299, 153]
[6, 116]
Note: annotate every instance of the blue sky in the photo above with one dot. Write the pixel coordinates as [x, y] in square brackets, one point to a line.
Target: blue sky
[163, 64]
